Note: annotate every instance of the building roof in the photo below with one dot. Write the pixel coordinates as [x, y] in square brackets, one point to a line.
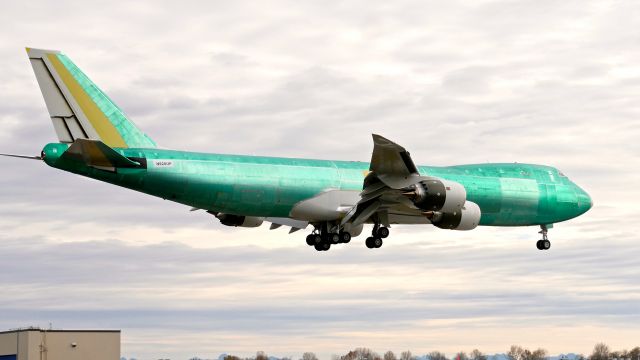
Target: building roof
[56, 331]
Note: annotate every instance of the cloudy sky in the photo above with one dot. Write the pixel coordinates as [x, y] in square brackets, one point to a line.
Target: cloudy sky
[545, 82]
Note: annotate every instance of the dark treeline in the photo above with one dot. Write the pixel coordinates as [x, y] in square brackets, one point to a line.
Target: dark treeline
[600, 352]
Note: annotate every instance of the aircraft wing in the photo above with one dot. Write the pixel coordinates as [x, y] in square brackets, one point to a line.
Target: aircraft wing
[392, 163]
[382, 197]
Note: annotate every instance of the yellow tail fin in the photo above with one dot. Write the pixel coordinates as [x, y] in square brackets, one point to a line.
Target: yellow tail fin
[78, 108]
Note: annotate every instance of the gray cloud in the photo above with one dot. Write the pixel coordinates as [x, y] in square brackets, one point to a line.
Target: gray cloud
[459, 82]
[240, 289]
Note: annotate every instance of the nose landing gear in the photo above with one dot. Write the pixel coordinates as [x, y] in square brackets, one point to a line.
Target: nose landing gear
[544, 243]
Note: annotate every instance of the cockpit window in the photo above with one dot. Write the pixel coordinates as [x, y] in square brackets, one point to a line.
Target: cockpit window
[561, 173]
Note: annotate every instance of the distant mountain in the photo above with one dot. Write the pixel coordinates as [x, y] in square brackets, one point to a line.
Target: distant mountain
[497, 357]
[223, 355]
[569, 356]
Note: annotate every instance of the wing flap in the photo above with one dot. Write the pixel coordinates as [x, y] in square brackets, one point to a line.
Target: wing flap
[292, 223]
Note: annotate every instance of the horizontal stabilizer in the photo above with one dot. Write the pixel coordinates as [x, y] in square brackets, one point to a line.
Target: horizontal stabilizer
[97, 154]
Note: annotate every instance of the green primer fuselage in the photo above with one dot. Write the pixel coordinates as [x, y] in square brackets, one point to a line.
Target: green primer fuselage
[508, 194]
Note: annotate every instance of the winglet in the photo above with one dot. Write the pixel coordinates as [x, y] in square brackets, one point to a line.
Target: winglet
[389, 158]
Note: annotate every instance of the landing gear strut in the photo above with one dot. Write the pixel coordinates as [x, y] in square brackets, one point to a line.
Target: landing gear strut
[378, 233]
[544, 243]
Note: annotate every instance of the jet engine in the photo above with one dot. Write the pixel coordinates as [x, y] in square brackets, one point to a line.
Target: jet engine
[467, 218]
[437, 195]
[239, 220]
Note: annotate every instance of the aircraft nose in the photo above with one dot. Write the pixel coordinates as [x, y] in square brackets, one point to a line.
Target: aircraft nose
[584, 200]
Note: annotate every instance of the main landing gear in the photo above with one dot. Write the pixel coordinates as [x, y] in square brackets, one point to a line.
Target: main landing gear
[323, 237]
[378, 233]
[544, 243]
[328, 234]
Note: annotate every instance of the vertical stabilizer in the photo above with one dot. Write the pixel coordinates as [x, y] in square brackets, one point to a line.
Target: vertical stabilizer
[78, 108]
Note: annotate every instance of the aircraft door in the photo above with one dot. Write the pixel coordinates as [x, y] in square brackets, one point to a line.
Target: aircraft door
[547, 201]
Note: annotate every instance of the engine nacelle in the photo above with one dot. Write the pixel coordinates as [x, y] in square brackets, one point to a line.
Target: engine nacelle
[437, 195]
[467, 218]
[239, 220]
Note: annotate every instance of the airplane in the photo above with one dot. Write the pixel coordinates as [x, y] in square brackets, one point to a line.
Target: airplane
[333, 198]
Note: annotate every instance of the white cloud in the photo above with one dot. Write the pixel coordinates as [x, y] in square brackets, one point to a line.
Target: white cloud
[454, 82]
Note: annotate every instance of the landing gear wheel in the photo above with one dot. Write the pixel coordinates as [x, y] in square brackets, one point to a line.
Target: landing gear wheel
[334, 238]
[369, 242]
[382, 232]
[544, 243]
[311, 239]
[377, 242]
[323, 246]
[317, 239]
[345, 237]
